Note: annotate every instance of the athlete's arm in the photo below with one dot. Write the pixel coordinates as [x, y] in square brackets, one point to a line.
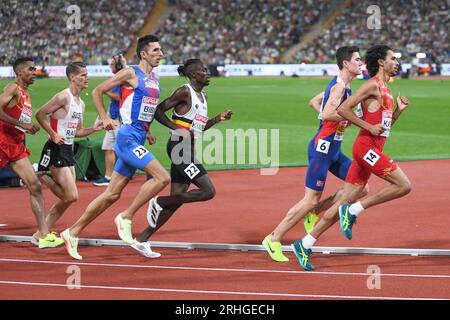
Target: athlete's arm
[179, 98]
[10, 92]
[113, 96]
[367, 90]
[402, 104]
[225, 115]
[120, 78]
[57, 102]
[316, 102]
[83, 132]
[329, 112]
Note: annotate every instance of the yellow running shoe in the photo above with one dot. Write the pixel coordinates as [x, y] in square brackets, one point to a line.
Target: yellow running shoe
[310, 221]
[50, 241]
[71, 244]
[124, 229]
[274, 250]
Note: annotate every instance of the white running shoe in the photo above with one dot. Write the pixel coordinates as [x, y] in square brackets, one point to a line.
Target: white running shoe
[153, 212]
[145, 249]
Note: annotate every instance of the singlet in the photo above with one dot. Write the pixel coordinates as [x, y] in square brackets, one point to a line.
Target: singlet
[23, 112]
[196, 118]
[331, 131]
[67, 126]
[382, 116]
[138, 105]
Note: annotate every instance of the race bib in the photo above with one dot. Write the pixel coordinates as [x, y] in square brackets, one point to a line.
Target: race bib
[148, 107]
[140, 152]
[192, 171]
[386, 122]
[339, 135]
[45, 161]
[323, 146]
[199, 123]
[25, 116]
[371, 157]
[71, 132]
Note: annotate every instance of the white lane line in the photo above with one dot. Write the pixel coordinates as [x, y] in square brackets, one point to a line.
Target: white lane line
[3, 225]
[226, 269]
[242, 293]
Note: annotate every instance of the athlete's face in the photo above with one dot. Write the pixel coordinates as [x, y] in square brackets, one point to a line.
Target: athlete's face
[201, 75]
[27, 72]
[355, 63]
[390, 64]
[153, 54]
[81, 79]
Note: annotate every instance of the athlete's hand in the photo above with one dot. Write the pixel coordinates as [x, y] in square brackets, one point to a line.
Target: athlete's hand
[226, 115]
[151, 139]
[57, 138]
[98, 125]
[108, 124]
[30, 128]
[376, 129]
[402, 102]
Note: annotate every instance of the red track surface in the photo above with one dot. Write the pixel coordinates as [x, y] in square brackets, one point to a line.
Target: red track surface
[246, 208]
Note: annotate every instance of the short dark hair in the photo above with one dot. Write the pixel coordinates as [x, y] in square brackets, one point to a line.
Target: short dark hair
[143, 42]
[74, 68]
[345, 53]
[186, 68]
[373, 55]
[20, 61]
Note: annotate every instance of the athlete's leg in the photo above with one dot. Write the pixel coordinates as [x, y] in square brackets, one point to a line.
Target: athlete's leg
[205, 191]
[65, 179]
[150, 188]
[399, 186]
[297, 212]
[350, 193]
[25, 171]
[110, 159]
[101, 203]
[175, 188]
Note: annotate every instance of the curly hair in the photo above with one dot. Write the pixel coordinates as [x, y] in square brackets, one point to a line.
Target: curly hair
[373, 55]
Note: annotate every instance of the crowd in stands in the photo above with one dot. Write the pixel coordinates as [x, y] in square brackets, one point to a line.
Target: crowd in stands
[38, 28]
[236, 31]
[408, 26]
[220, 31]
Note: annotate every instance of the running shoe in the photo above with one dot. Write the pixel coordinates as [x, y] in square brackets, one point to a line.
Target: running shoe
[310, 221]
[346, 220]
[153, 212]
[124, 229]
[303, 255]
[102, 182]
[50, 241]
[145, 249]
[71, 244]
[274, 250]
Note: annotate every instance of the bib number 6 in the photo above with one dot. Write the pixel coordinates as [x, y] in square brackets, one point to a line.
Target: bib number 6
[323, 146]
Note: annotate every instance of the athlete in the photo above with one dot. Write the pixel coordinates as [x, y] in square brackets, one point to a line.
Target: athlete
[324, 151]
[16, 120]
[62, 118]
[368, 157]
[118, 62]
[139, 98]
[189, 120]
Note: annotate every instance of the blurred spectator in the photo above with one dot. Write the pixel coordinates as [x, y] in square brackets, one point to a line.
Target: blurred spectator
[38, 28]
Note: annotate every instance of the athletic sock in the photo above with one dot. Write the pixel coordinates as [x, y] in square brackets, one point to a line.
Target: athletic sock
[356, 208]
[308, 241]
[108, 178]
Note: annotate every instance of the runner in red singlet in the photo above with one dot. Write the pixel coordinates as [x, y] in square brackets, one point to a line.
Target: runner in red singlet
[15, 120]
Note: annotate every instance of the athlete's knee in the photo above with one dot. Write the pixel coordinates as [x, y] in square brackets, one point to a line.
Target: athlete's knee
[209, 193]
[71, 197]
[405, 187]
[364, 191]
[163, 179]
[111, 196]
[35, 187]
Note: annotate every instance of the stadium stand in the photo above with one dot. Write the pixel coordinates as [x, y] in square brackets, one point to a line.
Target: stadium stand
[408, 26]
[38, 28]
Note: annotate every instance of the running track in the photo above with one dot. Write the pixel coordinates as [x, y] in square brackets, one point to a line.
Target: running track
[246, 208]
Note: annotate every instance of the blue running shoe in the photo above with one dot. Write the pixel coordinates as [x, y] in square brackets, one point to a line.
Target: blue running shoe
[102, 182]
[303, 255]
[346, 220]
